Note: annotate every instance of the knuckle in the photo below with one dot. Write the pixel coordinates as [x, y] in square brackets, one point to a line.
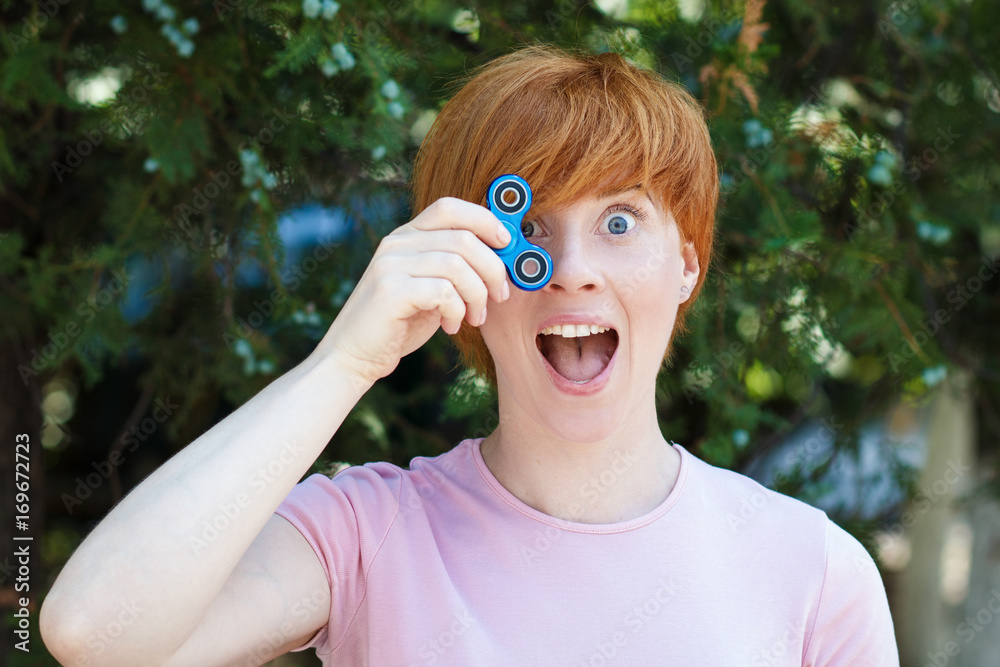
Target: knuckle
[378, 268]
[449, 296]
[384, 285]
[465, 239]
[445, 207]
[454, 263]
[396, 233]
[482, 294]
[389, 243]
[446, 290]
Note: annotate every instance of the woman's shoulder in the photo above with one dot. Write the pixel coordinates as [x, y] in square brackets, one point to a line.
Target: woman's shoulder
[383, 480]
[733, 489]
[743, 509]
[755, 516]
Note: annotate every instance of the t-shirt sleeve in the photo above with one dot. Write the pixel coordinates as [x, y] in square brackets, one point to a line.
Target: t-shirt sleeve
[345, 520]
[852, 624]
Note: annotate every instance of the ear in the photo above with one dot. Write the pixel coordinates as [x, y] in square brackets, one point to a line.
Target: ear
[691, 270]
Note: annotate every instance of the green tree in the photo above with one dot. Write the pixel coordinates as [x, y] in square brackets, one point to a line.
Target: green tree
[147, 152]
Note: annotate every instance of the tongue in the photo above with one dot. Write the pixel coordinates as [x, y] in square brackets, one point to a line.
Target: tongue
[579, 359]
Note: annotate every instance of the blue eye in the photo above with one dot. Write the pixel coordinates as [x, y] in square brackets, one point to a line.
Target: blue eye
[620, 222]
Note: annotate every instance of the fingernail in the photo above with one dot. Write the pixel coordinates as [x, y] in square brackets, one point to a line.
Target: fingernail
[505, 290]
[502, 234]
[482, 317]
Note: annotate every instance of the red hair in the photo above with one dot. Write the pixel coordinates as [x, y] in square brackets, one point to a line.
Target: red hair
[566, 123]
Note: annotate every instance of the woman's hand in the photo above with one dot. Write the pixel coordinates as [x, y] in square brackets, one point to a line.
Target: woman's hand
[434, 271]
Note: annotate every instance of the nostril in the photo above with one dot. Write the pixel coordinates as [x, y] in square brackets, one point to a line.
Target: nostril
[555, 286]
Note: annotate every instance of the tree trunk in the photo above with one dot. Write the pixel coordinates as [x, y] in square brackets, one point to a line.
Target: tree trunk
[926, 623]
[979, 638]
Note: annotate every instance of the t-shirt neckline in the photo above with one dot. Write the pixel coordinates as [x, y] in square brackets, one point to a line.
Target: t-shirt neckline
[563, 524]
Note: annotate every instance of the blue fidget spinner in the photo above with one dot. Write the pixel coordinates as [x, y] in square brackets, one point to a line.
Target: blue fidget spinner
[528, 266]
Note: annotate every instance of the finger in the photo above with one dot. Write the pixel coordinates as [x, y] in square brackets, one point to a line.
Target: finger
[453, 267]
[452, 213]
[486, 263]
[440, 295]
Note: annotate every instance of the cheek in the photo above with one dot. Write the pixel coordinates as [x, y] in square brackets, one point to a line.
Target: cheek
[652, 300]
[651, 280]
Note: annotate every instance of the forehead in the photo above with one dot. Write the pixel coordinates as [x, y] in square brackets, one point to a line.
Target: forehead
[634, 194]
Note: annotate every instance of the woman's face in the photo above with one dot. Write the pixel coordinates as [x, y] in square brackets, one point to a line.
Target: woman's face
[617, 264]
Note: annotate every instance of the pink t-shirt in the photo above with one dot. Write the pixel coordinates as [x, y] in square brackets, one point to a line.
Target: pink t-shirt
[441, 565]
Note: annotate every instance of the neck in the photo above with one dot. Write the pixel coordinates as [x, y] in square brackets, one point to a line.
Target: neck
[622, 476]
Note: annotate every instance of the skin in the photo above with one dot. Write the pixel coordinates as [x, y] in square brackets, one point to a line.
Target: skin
[550, 445]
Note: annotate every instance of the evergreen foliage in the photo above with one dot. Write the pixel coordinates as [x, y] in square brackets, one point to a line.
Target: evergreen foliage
[148, 151]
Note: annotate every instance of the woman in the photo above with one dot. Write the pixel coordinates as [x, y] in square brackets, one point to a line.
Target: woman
[575, 533]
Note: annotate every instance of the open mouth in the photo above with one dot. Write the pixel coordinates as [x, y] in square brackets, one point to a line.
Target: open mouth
[578, 352]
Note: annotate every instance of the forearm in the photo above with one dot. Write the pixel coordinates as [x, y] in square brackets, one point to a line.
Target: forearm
[163, 554]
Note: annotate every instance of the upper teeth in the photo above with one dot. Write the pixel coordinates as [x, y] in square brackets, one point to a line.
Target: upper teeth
[574, 330]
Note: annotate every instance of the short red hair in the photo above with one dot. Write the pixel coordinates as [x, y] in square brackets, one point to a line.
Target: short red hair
[566, 123]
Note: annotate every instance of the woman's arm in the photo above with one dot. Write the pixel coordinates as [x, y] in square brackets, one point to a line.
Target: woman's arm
[169, 568]
[159, 560]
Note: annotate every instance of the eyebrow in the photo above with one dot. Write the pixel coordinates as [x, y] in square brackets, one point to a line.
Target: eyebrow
[613, 192]
[619, 190]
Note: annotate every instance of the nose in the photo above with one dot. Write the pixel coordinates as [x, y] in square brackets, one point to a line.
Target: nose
[574, 267]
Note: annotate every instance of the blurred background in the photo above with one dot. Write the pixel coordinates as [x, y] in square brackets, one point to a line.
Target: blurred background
[189, 191]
